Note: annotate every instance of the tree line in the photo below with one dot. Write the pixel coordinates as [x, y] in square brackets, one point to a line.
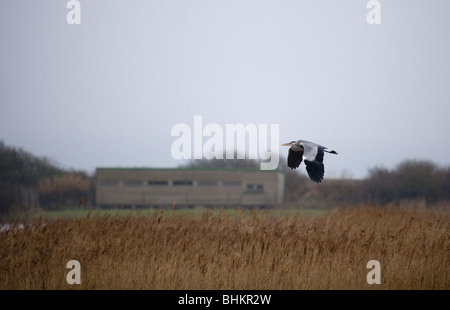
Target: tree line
[411, 180]
[28, 181]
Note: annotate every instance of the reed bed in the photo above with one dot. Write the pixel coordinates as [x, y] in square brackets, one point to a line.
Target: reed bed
[258, 250]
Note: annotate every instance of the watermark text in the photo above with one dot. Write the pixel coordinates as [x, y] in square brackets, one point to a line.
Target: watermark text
[235, 137]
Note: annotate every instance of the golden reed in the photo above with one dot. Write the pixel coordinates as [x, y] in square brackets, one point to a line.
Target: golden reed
[257, 250]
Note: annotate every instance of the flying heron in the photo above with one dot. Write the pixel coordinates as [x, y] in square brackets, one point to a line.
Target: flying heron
[312, 154]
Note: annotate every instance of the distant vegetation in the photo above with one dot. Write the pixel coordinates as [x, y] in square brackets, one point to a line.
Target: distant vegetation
[411, 180]
[28, 182]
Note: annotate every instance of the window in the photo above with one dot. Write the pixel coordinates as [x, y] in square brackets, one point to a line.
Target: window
[132, 183]
[108, 183]
[158, 183]
[255, 187]
[182, 183]
[232, 184]
[207, 183]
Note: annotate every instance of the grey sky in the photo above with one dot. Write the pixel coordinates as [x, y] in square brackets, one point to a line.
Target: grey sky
[108, 91]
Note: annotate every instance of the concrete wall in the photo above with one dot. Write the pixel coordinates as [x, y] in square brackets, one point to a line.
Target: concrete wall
[188, 187]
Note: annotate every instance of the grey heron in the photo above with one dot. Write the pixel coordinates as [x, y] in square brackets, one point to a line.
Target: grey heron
[312, 154]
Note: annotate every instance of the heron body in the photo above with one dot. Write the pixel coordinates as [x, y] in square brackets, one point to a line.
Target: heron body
[312, 154]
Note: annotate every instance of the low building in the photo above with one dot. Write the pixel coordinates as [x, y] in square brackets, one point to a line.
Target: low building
[148, 187]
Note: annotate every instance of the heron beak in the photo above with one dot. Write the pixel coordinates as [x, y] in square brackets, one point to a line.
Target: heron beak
[286, 144]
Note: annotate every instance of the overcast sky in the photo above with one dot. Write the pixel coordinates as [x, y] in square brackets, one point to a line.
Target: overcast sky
[108, 91]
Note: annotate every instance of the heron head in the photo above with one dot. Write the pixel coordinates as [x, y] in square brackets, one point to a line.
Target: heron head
[289, 143]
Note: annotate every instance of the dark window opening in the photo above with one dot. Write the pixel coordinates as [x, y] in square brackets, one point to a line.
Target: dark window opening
[232, 184]
[132, 183]
[255, 187]
[158, 183]
[182, 183]
[108, 183]
[207, 183]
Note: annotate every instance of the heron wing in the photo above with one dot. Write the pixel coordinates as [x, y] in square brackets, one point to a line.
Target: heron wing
[294, 158]
[314, 165]
[315, 170]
